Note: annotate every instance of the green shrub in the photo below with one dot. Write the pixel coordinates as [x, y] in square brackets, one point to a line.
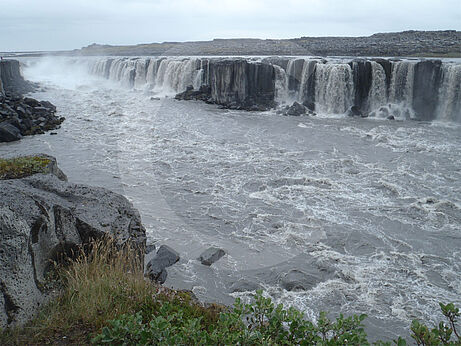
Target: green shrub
[20, 167]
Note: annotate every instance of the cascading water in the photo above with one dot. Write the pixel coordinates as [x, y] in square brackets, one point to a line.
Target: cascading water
[450, 94]
[378, 91]
[324, 214]
[335, 88]
[377, 87]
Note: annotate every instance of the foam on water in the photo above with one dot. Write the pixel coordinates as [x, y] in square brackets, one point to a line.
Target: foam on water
[370, 209]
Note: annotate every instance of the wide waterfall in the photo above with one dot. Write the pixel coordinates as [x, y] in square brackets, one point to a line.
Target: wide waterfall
[385, 88]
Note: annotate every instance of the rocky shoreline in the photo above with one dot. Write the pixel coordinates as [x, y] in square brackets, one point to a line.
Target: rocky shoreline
[22, 116]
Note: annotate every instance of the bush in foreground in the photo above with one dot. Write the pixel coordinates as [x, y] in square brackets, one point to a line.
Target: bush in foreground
[106, 300]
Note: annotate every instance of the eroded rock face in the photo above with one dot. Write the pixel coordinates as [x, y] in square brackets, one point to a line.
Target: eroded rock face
[43, 218]
[240, 84]
[21, 116]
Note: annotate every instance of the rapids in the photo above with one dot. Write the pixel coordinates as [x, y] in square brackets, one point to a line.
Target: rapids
[364, 213]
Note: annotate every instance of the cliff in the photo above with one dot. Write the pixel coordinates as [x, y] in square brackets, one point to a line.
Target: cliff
[21, 116]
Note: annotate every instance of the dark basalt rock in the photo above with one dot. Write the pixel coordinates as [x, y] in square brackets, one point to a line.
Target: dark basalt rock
[203, 94]
[27, 115]
[9, 133]
[427, 79]
[296, 109]
[244, 285]
[43, 218]
[240, 84]
[211, 255]
[298, 280]
[164, 258]
[355, 111]
[362, 74]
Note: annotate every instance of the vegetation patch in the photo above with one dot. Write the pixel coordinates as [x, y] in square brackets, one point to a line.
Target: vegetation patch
[21, 167]
[106, 300]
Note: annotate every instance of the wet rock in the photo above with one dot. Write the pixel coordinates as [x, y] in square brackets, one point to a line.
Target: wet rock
[9, 133]
[354, 111]
[243, 285]
[298, 280]
[241, 84]
[211, 255]
[28, 115]
[309, 105]
[164, 258]
[202, 94]
[150, 248]
[296, 109]
[390, 117]
[45, 219]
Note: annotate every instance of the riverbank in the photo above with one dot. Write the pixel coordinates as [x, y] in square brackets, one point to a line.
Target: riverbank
[22, 116]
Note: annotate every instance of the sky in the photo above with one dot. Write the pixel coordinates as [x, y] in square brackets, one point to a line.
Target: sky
[28, 25]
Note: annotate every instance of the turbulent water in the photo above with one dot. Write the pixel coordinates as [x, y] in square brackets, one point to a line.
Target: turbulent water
[364, 214]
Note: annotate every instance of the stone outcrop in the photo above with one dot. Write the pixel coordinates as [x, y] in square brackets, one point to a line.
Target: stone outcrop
[241, 84]
[12, 81]
[43, 219]
[21, 116]
[235, 84]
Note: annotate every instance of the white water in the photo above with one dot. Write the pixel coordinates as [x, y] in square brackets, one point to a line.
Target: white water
[333, 83]
[334, 88]
[372, 209]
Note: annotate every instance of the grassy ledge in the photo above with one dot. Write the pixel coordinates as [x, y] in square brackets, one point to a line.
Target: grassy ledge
[106, 300]
[21, 167]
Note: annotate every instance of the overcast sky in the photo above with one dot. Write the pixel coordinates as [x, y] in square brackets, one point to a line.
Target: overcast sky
[69, 24]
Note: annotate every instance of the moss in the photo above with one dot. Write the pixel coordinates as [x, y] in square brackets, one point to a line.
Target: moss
[21, 167]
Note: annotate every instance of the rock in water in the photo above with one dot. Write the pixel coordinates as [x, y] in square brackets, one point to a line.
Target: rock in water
[298, 280]
[243, 285]
[43, 219]
[164, 258]
[354, 111]
[211, 255]
[296, 109]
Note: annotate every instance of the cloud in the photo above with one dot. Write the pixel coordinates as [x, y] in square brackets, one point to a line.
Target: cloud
[57, 24]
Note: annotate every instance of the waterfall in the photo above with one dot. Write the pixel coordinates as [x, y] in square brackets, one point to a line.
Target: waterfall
[424, 89]
[281, 88]
[141, 67]
[449, 108]
[401, 89]
[307, 86]
[378, 91]
[334, 88]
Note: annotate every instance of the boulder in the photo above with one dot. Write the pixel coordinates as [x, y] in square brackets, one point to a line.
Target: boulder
[296, 109]
[354, 111]
[44, 219]
[9, 133]
[164, 258]
[298, 280]
[211, 255]
[243, 285]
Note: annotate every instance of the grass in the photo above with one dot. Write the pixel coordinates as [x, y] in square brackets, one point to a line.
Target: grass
[106, 300]
[21, 167]
[98, 287]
